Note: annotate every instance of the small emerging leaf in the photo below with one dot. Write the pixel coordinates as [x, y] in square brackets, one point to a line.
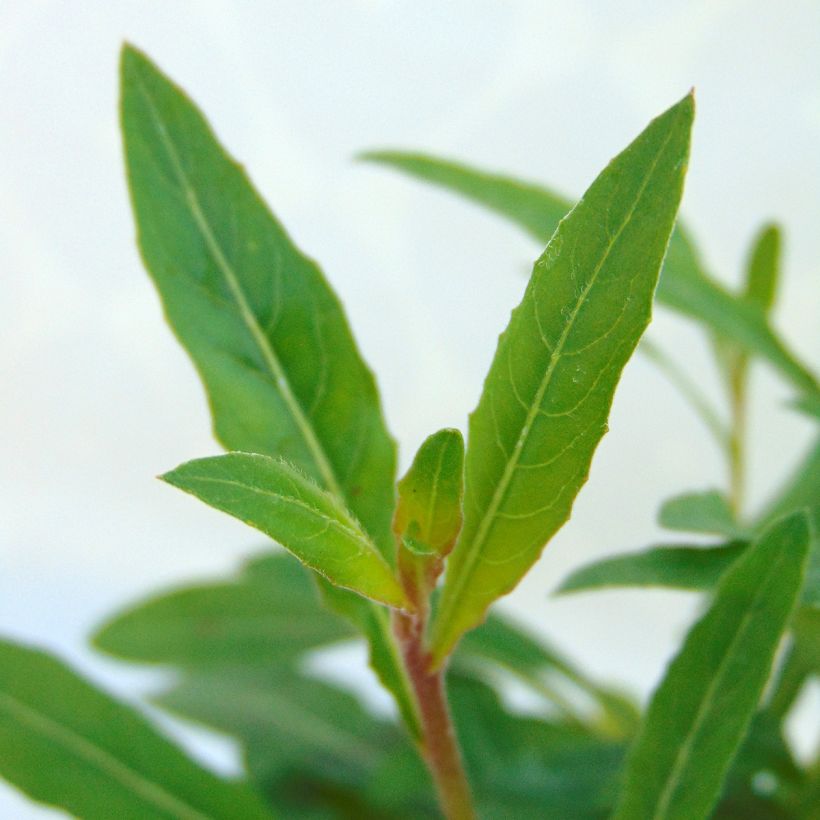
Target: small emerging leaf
[706, 512]
[65, 743]
[547, 396]
[702, 709]
[428, 516]
[277, 499]
[690, 568]
[763, 270]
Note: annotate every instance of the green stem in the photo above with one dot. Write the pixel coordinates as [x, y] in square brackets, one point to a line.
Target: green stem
[439, 746]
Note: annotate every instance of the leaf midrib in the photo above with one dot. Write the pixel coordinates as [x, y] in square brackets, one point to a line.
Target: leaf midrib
[685, 749]
[232, 280]
[100, 758]
[555, 356]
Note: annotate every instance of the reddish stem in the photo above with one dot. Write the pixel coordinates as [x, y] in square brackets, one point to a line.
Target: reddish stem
[438, 744]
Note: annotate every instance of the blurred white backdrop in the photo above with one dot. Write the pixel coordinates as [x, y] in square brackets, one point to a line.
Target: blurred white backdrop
[98, 398]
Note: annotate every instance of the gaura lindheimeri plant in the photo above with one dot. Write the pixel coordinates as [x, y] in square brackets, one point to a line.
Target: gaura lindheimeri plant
[412, 567]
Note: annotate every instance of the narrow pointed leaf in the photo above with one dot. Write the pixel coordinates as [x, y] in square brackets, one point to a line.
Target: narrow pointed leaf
[428, 515]
[271, 612]
[264, 329]
[65, 743]
[690, 568]
[500, 642]
[705, 703]
[706, 512]
[684, 285]
[277, 499]
[547, 396]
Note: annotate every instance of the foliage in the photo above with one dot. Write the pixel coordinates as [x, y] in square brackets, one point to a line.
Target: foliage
[312, 466]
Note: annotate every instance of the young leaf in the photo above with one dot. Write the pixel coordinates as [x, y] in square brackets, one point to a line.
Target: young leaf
[691, 568]
[706, 512]
[270, 613]
[428, 515]
[684, 285]
[277, 499]
[264, 329]
[65, 743]
[702, 709]
[547, 396]
[763, 270]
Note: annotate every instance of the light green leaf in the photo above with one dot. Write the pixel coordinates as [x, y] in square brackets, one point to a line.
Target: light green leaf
[691, 568]
[277, 499]
[65, 743]
[547, 396]
[264, 329]
[428, 515]
[706, 512]
[763, 269]
[271, 612]
[702, 709]
[684, 284]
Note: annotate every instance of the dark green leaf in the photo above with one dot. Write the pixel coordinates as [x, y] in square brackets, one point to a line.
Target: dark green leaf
[265, 331]
[277, 499]
[702, 709]
[271, 612]
[706, 512]
[547, 396]
[693, 568]
[65, 743]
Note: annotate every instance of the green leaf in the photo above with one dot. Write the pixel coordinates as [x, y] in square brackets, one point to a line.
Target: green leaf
[691, 568]
[763, 269]
[264, 329]
[547, 396]
[428, 515]
[500, 643]
[271, 612]
[706, 512]
[702, 709]
[277, 499]
[65, 743]
[522, 767]
[684, 284]
[536, 209]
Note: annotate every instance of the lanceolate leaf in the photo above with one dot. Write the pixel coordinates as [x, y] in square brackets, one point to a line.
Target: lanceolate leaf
[280, 501]
[270, 613]
[265, 331]
[684, 285]
[706, 512]
[547, 396]
[65, 743]
[702, 709]
[692, 568]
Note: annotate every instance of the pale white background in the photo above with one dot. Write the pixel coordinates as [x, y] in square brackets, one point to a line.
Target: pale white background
[97, 398]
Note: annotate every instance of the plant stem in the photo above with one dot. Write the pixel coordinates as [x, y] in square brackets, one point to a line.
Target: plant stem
[439, 746]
